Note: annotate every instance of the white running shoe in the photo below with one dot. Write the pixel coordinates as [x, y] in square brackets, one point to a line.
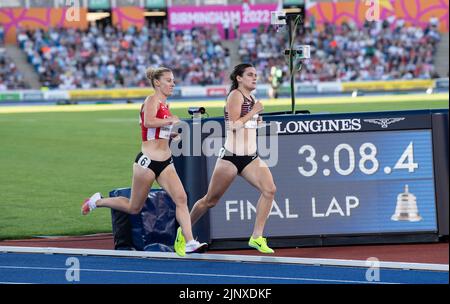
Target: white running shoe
[89, 203]
[196, 247]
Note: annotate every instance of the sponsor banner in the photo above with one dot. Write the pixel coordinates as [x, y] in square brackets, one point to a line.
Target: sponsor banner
[216, 91]
[193, 91]
[394, 85]
[306, 88]
[129, 16]
[56, 95]
[227, 19]
[10, 96]
[32, 95]
[441, 83]
[416, 13]
[329, 87]
[11, 19]
[363, 123]
[113, 93]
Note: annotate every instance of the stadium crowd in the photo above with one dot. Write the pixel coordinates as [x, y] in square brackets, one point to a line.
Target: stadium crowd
[379, 51]
[10, 77]
[107, 57]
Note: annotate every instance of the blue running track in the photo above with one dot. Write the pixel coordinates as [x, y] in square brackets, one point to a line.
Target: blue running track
[38, 268]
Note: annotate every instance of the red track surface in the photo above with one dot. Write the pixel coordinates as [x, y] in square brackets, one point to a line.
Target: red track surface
[412, 253]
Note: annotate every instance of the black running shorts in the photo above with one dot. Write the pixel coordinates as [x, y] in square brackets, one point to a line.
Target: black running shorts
[240, 161]
[156, 166]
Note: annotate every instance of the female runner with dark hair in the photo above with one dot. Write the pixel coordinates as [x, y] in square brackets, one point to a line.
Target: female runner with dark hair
[239, 155]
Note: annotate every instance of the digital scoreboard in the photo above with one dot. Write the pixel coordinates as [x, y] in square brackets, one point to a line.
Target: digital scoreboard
[338, 184]
[352, 174]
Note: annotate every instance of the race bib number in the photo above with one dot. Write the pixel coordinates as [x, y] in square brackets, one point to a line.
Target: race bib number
[144, 161]
[252, 123]
[164, 132]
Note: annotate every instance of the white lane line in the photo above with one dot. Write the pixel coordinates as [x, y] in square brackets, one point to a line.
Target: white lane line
[194, 274]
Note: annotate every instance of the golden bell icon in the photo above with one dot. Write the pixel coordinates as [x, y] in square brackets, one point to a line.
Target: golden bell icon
[406, 209]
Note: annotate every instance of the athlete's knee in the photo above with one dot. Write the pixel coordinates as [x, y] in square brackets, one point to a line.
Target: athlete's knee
[269, 191]
[180, 199]
[134, 209]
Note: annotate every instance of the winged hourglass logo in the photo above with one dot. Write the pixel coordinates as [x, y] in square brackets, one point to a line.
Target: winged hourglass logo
[384, 122]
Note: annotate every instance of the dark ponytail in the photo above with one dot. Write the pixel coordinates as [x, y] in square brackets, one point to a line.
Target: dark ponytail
[238, 71]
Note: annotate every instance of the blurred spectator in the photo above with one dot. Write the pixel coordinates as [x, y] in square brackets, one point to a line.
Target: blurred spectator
[275, 78]
[10, 77]
[2, 35]
[434, 21]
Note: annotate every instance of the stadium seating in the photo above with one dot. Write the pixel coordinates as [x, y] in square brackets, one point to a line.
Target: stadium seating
[10, 77]
[379, 51]
[105, 57]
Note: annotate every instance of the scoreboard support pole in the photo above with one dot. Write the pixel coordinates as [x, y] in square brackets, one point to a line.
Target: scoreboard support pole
[292, 27]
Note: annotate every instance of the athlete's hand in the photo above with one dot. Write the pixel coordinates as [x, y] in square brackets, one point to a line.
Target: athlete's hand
[257, 107]
[260, 122]
[174, 119]
[175, 136]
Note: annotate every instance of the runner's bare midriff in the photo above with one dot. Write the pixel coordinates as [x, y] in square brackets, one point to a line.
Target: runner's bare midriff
[157, 149]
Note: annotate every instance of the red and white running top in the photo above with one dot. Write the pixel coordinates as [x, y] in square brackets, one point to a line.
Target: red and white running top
[156, 133]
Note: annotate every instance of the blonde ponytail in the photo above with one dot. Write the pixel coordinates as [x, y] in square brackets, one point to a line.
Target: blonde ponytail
[155, 73]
